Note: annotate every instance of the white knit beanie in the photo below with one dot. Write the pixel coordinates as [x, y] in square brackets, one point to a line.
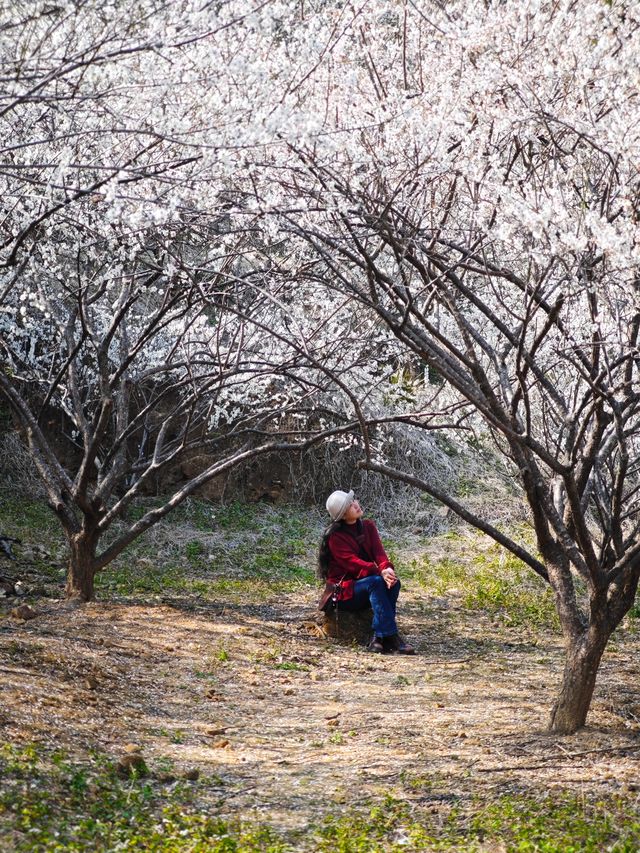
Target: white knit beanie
[338, 503]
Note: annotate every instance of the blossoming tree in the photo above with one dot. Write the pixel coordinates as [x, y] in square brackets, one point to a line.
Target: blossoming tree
[196, 195]
[479, 193]
[129, 313]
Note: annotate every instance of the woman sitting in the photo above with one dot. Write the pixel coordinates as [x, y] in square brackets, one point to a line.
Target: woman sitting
[358, 573]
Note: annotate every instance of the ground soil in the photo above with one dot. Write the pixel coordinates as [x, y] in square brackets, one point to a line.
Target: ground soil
[292, 725]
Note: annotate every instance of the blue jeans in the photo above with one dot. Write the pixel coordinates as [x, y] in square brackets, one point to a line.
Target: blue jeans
[374, 592]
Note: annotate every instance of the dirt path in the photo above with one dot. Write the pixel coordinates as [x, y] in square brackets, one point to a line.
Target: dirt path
[282, 725]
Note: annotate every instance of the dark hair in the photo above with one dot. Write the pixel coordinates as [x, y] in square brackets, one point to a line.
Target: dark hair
[324, 556]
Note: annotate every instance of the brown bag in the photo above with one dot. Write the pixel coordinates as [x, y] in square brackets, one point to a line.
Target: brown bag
[329, 597]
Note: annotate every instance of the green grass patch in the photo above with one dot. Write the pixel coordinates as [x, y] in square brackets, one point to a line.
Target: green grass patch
[196, 512]
[562, 824]
[178, 581]
[30, 520]
[513, 823]
[490, 580]
[244, 552]
[49, 802]
[235, 516]
[238, 516]
[122, 578]
[514, 597]
[195, 552]
[292, 666]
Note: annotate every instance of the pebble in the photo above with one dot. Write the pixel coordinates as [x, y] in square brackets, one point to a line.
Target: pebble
[132, 761]
[191, 775]
[24, 611]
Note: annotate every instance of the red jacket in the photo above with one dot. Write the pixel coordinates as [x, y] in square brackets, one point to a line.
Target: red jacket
[355, 556]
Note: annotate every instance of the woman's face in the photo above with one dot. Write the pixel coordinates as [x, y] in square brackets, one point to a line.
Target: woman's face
[353, 513]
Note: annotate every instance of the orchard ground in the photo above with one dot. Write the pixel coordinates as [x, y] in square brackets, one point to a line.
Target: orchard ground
[195, 707]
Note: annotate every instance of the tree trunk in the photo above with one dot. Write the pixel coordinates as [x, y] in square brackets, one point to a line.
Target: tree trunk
[578, 681]
[82, 566]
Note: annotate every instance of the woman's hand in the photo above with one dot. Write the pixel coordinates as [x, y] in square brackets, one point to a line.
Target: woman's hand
[389, 576]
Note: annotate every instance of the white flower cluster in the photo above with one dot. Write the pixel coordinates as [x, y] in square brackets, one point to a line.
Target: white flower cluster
[177, 174]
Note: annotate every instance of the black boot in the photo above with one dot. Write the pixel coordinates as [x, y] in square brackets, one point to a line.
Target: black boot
[376, 645]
